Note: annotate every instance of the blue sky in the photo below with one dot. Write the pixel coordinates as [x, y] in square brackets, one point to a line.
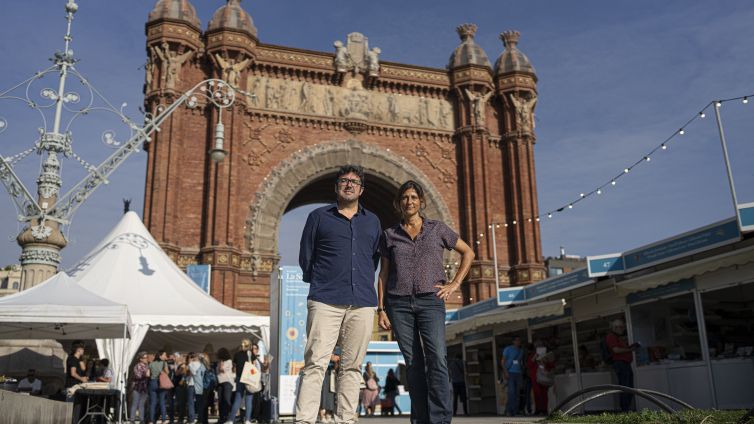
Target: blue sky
[615, 79]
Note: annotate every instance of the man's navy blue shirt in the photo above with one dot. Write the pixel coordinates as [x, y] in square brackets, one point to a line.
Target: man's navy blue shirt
[339, 256]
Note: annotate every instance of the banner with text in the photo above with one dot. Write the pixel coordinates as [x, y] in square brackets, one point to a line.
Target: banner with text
[292, 334]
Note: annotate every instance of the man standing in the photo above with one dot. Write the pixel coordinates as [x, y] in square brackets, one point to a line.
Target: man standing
[339, 257]
[458, 378]
[512, 365]
[30, 384]
[622, 355]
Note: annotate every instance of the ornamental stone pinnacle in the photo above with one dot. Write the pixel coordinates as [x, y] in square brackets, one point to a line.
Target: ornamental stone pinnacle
[510, 38]
[466, 31]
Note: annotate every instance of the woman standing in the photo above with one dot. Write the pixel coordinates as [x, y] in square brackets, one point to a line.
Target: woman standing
[240, 359]
[181, 380]
[225, 380]
[411, 294]
[391, 392]
[196, 395]
[156, 394]
[139, 388]
[371, 394]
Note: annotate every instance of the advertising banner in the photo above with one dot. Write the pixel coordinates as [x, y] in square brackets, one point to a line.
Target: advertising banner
[201, 275]
[292, 334]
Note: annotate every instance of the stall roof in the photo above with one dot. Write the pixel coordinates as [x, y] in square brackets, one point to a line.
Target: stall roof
[508, 314]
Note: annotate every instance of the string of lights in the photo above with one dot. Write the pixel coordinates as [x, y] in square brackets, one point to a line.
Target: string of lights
[612, 182]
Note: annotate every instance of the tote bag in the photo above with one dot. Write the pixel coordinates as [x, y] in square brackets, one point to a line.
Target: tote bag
[165, 382]
[251, 377]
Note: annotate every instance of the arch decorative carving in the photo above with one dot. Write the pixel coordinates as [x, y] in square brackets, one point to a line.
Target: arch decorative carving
[306, 165]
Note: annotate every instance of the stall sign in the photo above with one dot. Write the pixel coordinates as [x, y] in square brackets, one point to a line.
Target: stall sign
[541, 320]
[702, 239]
[510, 295]
[746, 215]
[662, 291]
[292, 315]
[451, 315]
[477, 308]
[477, 336]
[603, 265]
[201, 275]
[557, 284]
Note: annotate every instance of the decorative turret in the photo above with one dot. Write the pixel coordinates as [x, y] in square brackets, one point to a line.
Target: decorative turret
[513, 69]
[468, 52]
[232, 27]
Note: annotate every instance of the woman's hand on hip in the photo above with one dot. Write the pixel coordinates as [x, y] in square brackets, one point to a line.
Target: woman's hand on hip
[445, 290]
[384, 321]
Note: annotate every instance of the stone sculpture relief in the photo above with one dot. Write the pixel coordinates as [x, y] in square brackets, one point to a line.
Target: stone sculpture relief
[170, 64]
[231, 69]
[355, 55]
[353, 101]
[478, 105]
[524, 111]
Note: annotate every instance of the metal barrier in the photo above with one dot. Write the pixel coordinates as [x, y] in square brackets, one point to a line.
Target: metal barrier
[609, 389]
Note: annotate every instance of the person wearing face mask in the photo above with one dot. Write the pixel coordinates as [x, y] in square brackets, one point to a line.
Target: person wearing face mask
[412, 291]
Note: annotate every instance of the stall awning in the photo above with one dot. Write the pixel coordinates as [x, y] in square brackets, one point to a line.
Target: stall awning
[509, 314]
[687, 270]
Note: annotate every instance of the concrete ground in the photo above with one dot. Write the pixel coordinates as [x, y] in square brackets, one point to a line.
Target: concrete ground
[456, 420]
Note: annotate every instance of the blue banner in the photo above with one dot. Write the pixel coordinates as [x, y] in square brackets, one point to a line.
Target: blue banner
[746, 215]
[558, 284]
[292, 333]
[451, 315]
[602, 265]
[510, 295]
[683, 245]
[681, 286]
[201, 275]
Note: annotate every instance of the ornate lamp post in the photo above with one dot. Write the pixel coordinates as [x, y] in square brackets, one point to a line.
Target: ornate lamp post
[42, 239]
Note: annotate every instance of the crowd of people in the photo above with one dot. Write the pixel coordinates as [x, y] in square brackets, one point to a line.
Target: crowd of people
[178, 388]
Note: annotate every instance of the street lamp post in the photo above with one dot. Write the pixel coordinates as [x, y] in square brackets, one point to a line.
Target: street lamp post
[42, 239]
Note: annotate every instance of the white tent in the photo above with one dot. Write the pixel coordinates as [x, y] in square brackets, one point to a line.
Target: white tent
[58, 309]
[166, 306]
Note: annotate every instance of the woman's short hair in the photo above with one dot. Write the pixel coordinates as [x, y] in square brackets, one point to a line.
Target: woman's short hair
[223, 354]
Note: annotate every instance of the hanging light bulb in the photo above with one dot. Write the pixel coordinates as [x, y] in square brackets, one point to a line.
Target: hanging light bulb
[537, 219]
[702, 115]
[647, 158]
[549, 215]
[612, 182]
[514, 222]
[625, 171]
[681, 131]
[599, 191]
[664, 147]
[570, 206]
[745, 100]
[582, 195]
[718, 103]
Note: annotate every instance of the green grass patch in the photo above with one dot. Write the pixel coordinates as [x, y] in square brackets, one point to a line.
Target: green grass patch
[697, 416]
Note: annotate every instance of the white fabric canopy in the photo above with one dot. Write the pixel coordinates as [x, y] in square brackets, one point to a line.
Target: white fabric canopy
[167, 308]
[59, 308]
[509, 314]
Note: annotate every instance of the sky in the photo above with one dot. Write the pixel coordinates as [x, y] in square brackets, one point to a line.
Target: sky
[615, 80]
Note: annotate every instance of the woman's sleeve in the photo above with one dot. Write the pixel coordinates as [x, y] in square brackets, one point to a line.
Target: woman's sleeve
[448, 236]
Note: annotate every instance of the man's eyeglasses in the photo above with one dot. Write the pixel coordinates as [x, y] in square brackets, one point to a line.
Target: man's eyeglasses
[345, 181]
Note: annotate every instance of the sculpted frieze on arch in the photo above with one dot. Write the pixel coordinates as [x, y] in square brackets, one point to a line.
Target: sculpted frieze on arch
[350, 102]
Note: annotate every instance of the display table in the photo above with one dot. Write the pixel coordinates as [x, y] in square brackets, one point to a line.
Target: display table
[97, 405]
[734, 382]
[686, 380]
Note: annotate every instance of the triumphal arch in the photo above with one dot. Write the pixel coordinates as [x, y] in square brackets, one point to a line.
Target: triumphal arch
[465, 132]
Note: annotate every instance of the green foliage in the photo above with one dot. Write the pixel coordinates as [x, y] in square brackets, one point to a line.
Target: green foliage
[697, 416]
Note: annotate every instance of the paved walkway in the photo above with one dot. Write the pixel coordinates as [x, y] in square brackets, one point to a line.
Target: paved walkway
[456, 420]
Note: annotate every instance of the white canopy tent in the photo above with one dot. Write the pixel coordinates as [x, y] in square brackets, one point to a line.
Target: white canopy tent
[167, 308]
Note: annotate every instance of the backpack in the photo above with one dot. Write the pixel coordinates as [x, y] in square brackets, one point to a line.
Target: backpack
[607, 356]
[209, 382]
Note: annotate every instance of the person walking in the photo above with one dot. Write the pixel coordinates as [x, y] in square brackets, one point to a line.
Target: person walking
[371, 394]
[156, 394]
[458, 378]
[240, 359]
[391, 392]
[339, 257]
[181, 380]
[512, 364]
[225, 380]
[412, 290]
[622, 354]
[139, 388]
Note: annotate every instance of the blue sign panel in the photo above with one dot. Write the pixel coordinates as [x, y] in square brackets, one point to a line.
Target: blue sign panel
[477, 308]
[541, 320]
[510, 295]
[292, 333]
[602, 265]
[451, 315]
[477, 336]
[686, 244]
[662, 291]
[558, 284]
[201, 275]
[746, 214]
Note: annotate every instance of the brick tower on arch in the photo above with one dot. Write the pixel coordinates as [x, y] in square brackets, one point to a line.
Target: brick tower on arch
[464, 132]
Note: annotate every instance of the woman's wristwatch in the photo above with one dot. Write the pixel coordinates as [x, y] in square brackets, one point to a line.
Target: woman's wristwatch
[380, 310]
